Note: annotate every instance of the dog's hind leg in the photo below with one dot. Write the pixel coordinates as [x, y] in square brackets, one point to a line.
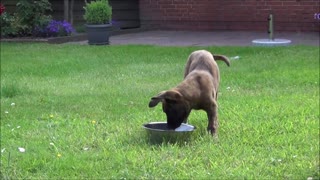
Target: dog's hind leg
[213, 119]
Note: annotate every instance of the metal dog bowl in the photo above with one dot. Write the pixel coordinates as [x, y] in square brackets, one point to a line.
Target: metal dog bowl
[158, 132]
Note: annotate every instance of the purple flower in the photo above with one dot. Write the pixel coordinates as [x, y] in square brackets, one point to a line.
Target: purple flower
[54, 28]
[60, 28]
[67, 27]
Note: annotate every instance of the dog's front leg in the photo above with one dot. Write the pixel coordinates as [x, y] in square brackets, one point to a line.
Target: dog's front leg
[186, 117]
[212, 114]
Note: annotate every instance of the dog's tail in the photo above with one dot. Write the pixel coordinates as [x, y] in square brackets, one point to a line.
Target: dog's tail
[222, 57]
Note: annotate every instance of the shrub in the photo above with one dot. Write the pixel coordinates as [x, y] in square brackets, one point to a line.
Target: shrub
[98, 12]
[32, 14]
[29, 14]
[6, 21]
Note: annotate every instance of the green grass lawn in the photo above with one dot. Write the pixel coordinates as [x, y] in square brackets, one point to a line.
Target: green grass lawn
[78, 112]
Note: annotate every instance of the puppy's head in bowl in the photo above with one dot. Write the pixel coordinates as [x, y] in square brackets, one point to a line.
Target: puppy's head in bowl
[173, 105]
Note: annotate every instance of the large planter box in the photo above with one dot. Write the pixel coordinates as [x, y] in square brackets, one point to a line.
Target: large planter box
[98, 34]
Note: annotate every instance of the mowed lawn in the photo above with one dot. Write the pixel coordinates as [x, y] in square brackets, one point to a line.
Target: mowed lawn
[74, 111]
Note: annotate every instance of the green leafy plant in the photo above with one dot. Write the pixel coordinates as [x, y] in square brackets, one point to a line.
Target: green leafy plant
[6, 21]
[33, 14]
[98, 12]
[29, 15]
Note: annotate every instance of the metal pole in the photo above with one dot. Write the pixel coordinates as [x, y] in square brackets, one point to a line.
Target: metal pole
[271, 35]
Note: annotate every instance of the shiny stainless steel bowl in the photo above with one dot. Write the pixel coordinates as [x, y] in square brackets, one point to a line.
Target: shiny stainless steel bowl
[158, 132]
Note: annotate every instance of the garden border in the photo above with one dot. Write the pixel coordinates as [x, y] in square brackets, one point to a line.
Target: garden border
[73, 38]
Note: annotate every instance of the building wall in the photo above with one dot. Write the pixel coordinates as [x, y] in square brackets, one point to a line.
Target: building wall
[289, 15]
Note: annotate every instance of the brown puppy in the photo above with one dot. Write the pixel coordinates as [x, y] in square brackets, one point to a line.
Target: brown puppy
[198, 90]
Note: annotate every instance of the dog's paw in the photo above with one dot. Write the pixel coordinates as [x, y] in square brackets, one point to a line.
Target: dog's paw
[213, 132]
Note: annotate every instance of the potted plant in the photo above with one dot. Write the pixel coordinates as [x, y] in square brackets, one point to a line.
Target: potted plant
[98, 21]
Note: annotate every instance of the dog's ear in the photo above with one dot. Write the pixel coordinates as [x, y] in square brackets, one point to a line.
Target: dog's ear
[170, 96]
[156, 99]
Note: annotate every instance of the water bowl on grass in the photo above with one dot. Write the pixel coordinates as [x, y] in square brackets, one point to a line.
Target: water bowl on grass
[158, 132]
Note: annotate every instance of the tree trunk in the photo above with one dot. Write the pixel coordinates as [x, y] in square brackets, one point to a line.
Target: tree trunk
[71, 11]
[66, 10]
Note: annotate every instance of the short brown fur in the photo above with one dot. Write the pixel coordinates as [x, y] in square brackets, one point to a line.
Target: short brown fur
[198, 90]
